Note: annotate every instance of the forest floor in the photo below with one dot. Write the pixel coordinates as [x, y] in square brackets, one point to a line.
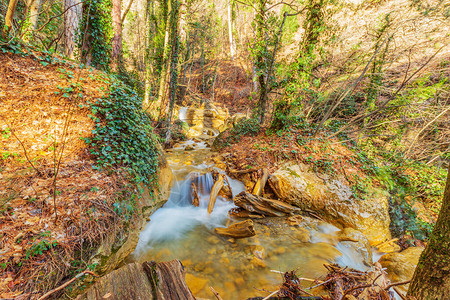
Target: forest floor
[54, 207]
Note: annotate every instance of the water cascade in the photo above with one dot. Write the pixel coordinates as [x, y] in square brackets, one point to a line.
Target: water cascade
[239, 268]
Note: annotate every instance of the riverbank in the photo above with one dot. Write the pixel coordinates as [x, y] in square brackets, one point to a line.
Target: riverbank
[64, 207]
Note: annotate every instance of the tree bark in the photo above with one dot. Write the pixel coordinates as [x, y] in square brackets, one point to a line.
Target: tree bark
[35, 7]
[230, 30]
[163, 87]
[162, 281]
[431, 278]
[117, 38]
[173, 83]
[9, 17]
[71, 24]
[263, 206]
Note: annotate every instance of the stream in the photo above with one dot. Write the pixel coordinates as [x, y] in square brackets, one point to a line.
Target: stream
[242, 268]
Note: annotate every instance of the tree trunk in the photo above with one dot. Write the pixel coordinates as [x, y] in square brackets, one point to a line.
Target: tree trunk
[230, 30]
[431, 278]
[149, 280]
[117, 38]
[162, 92]
[71, 24]
[260, 59]
[174, 20]
[35, 7]
[9, 17]
[150, 31]
[263, 206]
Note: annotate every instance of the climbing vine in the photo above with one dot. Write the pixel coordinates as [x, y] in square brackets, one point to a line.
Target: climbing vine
[122, 135]
[96, 34]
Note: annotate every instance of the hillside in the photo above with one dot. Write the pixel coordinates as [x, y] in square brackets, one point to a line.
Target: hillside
[58, 202]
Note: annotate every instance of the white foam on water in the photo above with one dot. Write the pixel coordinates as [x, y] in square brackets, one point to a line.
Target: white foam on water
[178, 216]
[182, 114]
[350, 257]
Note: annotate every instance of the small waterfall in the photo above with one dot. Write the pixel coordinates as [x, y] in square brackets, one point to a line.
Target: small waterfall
[182, 114]
[178, 216]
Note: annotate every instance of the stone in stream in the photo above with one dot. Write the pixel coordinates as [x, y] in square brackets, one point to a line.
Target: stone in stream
[189, 148]
[332, 200]
[400, 266]
[195, 283]
[302, 235]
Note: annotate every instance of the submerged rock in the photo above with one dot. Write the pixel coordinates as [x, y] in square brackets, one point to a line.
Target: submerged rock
[333, 201]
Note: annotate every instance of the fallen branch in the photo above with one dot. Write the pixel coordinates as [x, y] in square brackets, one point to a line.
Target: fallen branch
[244, 171]
[214, 193]
[238, 230]
[215, 293]
[261, 183]
[272, 294]
[195, 198]
[397, 284]
[67, 283]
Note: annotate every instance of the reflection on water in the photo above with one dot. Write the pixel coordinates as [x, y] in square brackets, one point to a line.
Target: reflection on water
[237, 269]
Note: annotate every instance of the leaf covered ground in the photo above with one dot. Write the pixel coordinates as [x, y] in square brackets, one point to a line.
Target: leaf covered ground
[45, 166]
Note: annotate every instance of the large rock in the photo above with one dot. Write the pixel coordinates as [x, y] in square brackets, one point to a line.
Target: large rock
[333, 201]
[400, 266]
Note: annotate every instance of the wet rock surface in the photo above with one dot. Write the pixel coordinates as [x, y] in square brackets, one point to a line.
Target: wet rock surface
[330, 199]
[401, 265]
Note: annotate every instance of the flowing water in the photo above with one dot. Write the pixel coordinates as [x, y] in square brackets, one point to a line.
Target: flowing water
[236, 269]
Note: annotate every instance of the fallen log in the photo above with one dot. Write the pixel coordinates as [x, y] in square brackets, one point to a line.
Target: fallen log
[263, 206]
[261, 183]
[238, 230]
[195, 198]
[149, 280]
[215, 192]
[238, 212]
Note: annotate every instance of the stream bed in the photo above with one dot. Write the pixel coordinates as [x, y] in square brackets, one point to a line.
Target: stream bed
[242, 268]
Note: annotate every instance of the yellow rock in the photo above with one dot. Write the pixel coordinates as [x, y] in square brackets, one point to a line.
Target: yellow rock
[279, 250]
[302, 235]
[258, 251]
[239, 281]
[187, 262]
[212, 240]
[195, 284]
[225, 260]
[258, 262]
[230, 287]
